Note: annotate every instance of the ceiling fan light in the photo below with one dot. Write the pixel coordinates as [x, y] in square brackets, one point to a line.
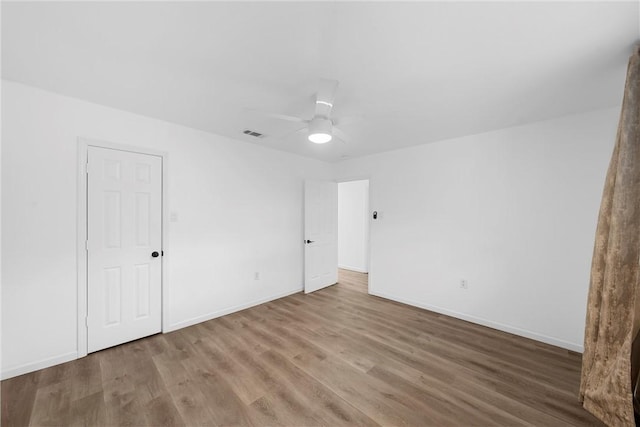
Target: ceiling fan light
[320, 138]
[320, 130]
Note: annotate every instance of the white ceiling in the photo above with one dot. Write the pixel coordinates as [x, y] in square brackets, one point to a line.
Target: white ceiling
[413, 72]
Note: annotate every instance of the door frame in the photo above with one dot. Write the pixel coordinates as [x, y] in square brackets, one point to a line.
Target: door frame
[82, 223]
[351, 178]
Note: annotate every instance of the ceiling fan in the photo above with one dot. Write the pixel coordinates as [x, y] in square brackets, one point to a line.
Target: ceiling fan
[320, 128]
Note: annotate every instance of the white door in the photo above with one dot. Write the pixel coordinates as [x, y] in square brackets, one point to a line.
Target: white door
[321, 235]
[124, 229]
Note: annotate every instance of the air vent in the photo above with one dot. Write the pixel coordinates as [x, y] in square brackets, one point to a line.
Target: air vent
[253, 133]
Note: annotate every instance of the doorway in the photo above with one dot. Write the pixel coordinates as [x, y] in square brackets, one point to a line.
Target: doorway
[353, 233]
[120, 256]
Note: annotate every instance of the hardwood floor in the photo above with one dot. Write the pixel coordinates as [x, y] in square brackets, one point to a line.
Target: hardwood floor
[335, 357]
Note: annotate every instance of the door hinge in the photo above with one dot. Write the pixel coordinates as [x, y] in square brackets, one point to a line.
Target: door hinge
[86, 245]
[87, 168]
[86, 321]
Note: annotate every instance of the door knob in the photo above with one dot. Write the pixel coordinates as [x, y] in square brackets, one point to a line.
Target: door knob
[155, 254]
[309, 241]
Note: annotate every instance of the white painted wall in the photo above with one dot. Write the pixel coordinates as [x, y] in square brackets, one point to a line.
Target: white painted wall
[512, 211]
[239, 208]
[353, 225]
[0, 226]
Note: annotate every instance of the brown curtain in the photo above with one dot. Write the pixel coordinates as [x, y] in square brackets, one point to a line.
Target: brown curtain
[613, 311]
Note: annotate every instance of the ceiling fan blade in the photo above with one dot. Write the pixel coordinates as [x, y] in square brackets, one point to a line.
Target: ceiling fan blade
[279, 116]
[324, 99]
[340, 134]
[348, 119]
[288, 134]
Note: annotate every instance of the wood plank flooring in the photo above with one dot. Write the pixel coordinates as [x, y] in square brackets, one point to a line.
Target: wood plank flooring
[335, 357]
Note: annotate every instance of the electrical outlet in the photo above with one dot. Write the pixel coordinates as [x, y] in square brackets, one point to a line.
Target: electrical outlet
[464, 284]
[256, 276]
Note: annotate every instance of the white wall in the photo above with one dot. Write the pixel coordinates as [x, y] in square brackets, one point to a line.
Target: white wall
[239, 210]
[0, 227]
[512, 211]
[353, 225]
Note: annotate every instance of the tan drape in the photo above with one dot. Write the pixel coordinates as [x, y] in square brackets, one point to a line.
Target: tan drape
[613, 316]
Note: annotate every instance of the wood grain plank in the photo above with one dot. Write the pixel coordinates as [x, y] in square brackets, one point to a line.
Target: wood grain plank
[88, 411]
[335, 357]
[208, 399]
[18, 398]
[318, 399]
[162, 412]
[52, 405]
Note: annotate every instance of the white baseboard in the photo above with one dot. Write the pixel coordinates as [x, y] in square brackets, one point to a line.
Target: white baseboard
[348, 267]
[224, 312]
[45, 363]
[56, 360]
[40, 364]
[489, 323]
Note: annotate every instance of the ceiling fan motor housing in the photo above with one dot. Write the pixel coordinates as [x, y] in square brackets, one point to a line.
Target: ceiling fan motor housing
[320, 130]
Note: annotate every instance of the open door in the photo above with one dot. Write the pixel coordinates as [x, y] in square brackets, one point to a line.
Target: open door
[321, 235]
